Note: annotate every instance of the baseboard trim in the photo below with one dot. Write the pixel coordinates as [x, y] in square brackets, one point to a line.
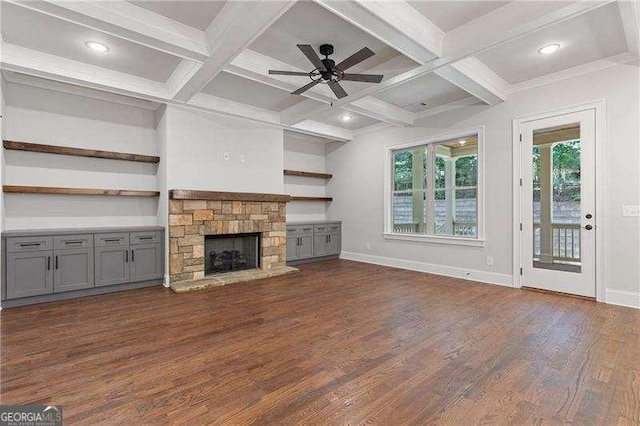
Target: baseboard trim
[623, 298]
[93, 291]
[448, 271]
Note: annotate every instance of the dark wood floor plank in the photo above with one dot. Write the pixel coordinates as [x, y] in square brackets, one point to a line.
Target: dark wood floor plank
[340, 342]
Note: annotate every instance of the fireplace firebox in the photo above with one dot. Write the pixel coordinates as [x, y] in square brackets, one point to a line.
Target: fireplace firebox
[231, 252]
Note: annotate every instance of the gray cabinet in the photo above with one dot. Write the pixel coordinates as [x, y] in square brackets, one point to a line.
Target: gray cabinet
[112, 265]
[299, 242]
[29, 274]
[313, 240]
[146, 262]
[49, 263]
[73, 269]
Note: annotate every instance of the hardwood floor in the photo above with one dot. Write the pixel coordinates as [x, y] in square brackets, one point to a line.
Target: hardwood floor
[340, 342]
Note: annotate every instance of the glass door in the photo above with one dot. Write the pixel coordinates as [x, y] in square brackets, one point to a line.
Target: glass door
[557, 243]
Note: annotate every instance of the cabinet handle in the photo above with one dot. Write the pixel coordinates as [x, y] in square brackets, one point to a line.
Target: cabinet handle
[329, 240]
[111, 240]
[126, 260]
[299, 241]
[48, 263]
[73, 242]
[132, 256]
[326, 238]
[29, 244]
[56, 263]
[145, 238]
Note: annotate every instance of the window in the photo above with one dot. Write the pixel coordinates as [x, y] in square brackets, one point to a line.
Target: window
[435, 189]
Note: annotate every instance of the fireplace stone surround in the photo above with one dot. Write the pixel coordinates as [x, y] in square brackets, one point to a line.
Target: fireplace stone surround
[195, 214]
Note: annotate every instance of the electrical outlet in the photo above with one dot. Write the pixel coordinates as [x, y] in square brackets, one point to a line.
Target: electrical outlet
[490, 260]
[242, 158]
[631, 211]
[226, 156]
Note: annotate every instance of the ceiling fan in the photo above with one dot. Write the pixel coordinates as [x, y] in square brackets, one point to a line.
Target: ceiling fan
[327, 72]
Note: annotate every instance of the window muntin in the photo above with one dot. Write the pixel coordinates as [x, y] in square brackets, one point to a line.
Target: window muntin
[441, 203]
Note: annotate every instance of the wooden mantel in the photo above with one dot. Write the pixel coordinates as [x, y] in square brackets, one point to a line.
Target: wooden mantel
[186, 194]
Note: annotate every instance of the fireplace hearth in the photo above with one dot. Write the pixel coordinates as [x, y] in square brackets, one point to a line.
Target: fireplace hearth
[231, 252]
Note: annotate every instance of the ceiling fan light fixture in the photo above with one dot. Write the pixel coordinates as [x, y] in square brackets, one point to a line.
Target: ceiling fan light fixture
[549, 48]
[346, 118]
[98, 47]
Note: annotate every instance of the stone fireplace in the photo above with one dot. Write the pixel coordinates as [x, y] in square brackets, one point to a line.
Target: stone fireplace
[198, 217]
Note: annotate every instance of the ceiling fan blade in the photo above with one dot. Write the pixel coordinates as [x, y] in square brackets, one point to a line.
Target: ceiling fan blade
[366, 78]
[305, 87]
[355, 59]
[275, 72]
[311, 55]
[337, 89]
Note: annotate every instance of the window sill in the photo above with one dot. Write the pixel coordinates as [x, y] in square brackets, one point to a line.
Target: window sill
[458, 241]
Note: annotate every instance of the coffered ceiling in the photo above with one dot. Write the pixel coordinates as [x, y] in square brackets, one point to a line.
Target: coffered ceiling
[214, 55]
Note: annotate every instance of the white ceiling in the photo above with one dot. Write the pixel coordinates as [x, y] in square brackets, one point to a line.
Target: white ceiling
[240, 89]
[308, 23]
[37, 31]
[197, 14]
[448, 15]
[430, 89]
[586, 38]
[334, 116]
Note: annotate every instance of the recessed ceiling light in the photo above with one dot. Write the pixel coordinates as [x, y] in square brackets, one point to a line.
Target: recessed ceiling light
[99, 47]
[549, 49]
[462, 142]
[346, 117]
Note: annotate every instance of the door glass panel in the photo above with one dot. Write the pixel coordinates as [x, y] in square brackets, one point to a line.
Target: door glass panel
[556, 198]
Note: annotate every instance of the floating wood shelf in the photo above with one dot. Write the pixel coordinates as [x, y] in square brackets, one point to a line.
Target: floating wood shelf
[307, 174]
[79, 152]
[16, 189]
[293, 198]
[187, 194]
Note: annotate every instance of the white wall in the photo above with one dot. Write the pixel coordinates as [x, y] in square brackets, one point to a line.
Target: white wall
[43, 116]
[198, 141]
[304, 153]
[358, 168]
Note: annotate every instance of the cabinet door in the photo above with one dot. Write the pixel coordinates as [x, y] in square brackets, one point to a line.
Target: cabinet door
[292, 248]
[320, 245]
[73, 269]
[333, 244]
[146, 262]
[29, 274]
[305, 249]
[112, 265]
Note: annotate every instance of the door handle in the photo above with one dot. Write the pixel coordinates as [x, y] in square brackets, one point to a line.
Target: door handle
[588, 227]
[588, 215]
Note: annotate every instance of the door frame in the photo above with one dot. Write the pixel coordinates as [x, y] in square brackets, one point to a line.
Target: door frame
[599, 108]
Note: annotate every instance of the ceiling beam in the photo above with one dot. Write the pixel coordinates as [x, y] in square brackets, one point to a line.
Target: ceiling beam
[233, 29]
[477, 79]
[509, 22]
[255, 66]
[127, 21]
[630, 15]
[325, 130]
[396, 24]
[39, 64]
[399, 25]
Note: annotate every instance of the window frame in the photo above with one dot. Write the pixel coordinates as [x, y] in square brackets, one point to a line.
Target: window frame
[388, 233]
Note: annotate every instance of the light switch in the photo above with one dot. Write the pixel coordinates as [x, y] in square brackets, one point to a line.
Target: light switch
[631, 211]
